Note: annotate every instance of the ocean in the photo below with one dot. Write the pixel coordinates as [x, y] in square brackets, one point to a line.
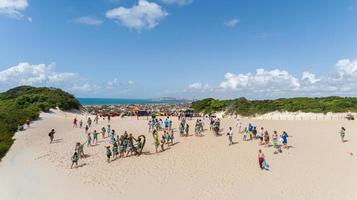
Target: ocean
[105, 101]
[109, 101]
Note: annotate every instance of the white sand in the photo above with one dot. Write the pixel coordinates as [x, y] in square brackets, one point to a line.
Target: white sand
[318, 166]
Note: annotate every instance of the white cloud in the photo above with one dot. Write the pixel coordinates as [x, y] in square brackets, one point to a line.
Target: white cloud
[88, 20]
[46, 75]
[232, 23]
[347, 67]
[178, 2]
[27, 74]
[199, 86]
[144, 15]
[13, 8]
[262, 80]
[310, 77]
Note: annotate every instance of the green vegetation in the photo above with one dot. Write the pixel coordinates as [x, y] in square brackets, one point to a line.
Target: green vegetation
[244, 107]
[24, 103]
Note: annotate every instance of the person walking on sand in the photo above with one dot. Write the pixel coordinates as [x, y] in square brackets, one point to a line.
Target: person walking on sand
[51, 134]
[74, 159]
[342, 134]
[261, 160]
[230, 136]
[81, 123]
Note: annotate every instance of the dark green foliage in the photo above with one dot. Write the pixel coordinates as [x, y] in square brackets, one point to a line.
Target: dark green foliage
[244, 107]
[19, 104]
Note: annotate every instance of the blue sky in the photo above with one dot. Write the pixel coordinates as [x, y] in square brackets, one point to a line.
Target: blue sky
[181, 48]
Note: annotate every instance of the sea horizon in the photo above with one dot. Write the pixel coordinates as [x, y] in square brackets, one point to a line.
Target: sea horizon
[125, 101]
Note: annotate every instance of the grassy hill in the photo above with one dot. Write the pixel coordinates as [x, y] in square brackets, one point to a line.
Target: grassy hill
[244, 107]
[25, 102]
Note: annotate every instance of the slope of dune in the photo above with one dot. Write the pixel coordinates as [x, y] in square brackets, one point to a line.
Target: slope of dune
[317, 166]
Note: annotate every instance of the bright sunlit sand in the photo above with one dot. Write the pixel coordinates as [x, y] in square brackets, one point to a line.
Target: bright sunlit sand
[316, 166]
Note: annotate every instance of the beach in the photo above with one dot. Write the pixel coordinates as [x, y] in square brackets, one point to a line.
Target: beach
[316, 166]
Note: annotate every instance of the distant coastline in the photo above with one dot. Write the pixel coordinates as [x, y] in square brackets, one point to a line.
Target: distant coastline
[115, 101]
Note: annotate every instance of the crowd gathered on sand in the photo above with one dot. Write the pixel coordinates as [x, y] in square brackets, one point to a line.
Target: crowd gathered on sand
[119, 146]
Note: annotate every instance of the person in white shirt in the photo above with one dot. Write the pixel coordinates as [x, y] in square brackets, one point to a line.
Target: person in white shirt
[239, 125]
[230, 136]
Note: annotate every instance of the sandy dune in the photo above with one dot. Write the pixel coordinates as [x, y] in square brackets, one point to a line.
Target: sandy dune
[317, 166]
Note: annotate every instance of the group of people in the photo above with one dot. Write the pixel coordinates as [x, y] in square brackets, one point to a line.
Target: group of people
[250, 133]
[123, 145]
[159, 124]
[126, 144]
[167, 138]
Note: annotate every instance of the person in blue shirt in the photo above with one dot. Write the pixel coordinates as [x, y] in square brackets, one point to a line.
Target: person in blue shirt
[284, 139]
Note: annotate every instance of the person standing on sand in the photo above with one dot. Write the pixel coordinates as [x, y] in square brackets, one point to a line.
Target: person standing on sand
[266, 139]
[163, 141]
[51, 134]
[230, 136]
[115, 150]
[109, 153]
[275, 139]
[187, 129]
[108, 118]
[89, 140]
[103, 132]
[75, 122]
[260, 135]
[86, 129]
[96, 119]
[28, 123]
[182, 129]
[156, 140]
[342, 134]
[239, 125]
[95, 136]
[284, 139]
[261, 160]
[81, 123]
[89, 121]
[245, 132]
[254, 132]
[108, 129]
